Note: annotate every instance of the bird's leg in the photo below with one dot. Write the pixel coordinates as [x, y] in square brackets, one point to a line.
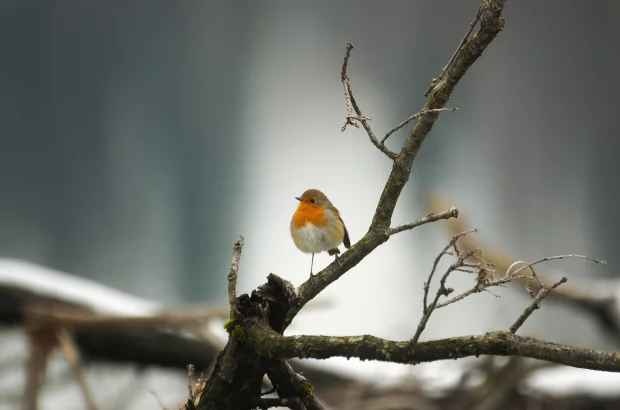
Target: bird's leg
[311, 264]
[335, 252]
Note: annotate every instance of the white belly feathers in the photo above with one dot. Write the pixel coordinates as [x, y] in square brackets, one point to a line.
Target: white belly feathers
[310, 239]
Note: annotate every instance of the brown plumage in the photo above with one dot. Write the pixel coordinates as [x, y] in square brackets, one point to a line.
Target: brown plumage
[316, 225]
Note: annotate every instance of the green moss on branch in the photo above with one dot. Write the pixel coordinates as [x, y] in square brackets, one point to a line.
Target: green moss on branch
[272, 345]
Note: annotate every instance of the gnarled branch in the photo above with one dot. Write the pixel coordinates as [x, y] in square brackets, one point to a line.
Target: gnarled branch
[273, 306]
[271, 344]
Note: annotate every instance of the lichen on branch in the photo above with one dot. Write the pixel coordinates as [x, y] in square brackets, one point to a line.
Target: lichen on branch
[366, 347]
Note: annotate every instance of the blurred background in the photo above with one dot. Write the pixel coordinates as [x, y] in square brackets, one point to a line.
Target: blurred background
[140, 139]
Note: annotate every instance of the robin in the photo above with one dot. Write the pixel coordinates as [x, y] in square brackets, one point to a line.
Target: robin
[316, 225]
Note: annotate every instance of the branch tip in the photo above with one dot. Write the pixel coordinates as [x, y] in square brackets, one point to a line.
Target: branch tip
[353, 113]
[542, 293]
[462, 260]
[453, 212]
[415, 116]
[232, 274]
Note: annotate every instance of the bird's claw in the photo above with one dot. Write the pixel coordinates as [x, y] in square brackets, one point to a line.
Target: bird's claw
[337, 260]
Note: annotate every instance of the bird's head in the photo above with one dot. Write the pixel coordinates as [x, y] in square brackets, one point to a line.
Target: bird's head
[314, 197]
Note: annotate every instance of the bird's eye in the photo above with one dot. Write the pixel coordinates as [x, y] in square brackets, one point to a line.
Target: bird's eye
[313, 200]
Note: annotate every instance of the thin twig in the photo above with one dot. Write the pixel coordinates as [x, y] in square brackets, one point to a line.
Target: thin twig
[42, 341]
[450, 213]
[414, 117]
[509, 276]
[479, 287]
[550, 258]
[232, 275]
[542, 293]
[600, 304]
[427, 284]
[191, 372]
[353, 112]
[441, 254]
[458, 49]
[442, 290]
[72, 356]
[532, 289]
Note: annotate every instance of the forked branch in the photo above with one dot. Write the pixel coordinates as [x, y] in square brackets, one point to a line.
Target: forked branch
[462, 260]
[525, 272]
[414, 117]
[491, 23]
[353, 112]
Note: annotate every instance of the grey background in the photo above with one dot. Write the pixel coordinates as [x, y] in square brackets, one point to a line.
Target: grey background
[139, 139]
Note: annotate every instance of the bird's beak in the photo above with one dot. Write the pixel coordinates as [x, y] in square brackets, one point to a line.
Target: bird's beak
[298, 198]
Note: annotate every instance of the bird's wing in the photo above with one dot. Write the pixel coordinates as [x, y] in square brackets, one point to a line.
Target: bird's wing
[345, 240]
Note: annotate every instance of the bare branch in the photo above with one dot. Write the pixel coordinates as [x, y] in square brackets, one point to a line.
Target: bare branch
[291, 384]
[273, 345]
[427, 310]
[73, 318]
[491, 24]
[441, 291]
[272, 306]
[191, 380]
[401, 170]
[531, 281]
[232, 275]
[601, 303]
[510, 275]
[42, 341]
[441, 254]
[450, 213]
[542, 293]
[414, 117]
[353, 112]
[72, 356]
[550, 258]
[478, 287]
[458, 49]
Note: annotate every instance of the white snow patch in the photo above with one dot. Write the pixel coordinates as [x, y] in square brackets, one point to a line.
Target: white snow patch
[568, 381]
[57, 284]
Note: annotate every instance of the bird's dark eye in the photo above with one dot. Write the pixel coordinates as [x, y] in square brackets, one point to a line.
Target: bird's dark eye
[313, 200]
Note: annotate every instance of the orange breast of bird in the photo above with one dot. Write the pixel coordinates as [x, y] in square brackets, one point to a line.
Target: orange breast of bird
[309, 213]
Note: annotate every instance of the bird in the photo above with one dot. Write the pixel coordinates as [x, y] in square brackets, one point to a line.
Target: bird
[316, 225]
